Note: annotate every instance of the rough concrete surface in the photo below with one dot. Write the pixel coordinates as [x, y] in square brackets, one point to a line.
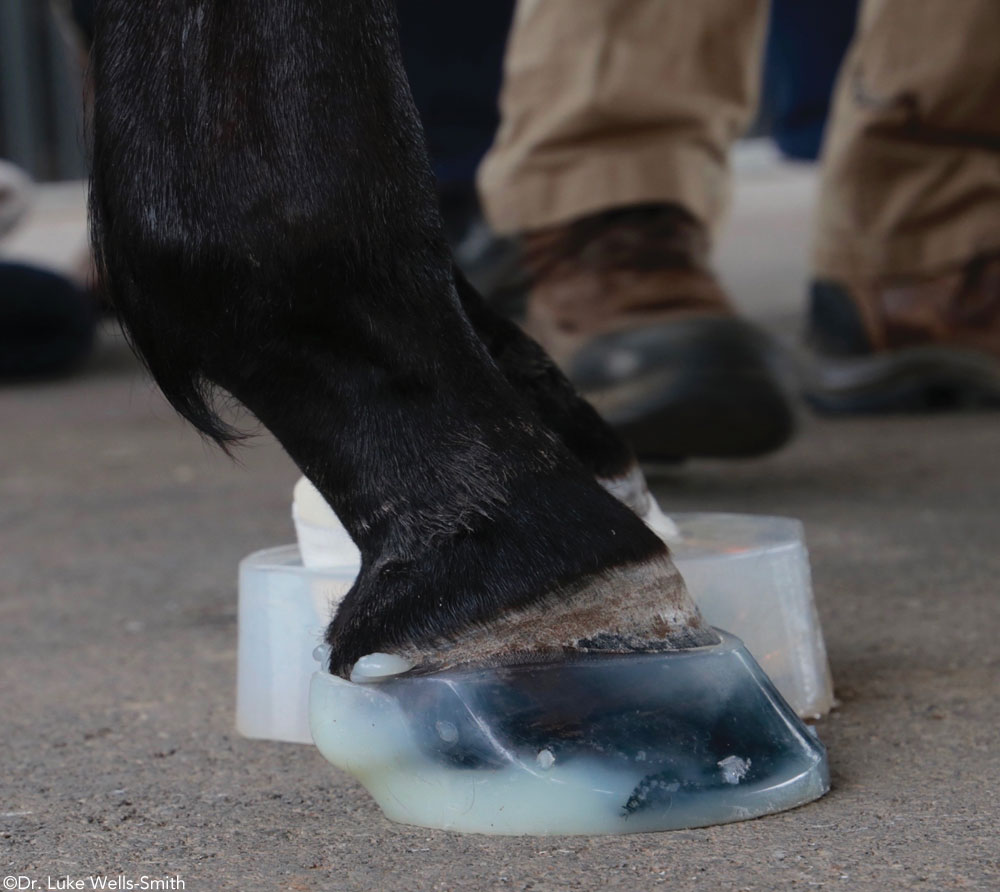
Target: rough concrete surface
[120, 532]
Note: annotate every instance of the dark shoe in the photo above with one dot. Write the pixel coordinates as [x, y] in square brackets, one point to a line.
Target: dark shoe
[46, 323]
[907, 345]
[625, 303]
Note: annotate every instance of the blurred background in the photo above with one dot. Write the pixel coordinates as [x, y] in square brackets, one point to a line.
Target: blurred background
[454, 57]
[41, 90]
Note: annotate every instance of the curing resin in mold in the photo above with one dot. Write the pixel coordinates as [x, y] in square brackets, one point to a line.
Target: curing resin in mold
[592, 745]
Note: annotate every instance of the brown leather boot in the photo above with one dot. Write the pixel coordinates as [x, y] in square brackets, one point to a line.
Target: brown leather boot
[908, 344]
[626, 304]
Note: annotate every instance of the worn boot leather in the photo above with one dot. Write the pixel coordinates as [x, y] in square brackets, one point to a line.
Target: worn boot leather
[626, 304]
[908, 343]
[617, 270]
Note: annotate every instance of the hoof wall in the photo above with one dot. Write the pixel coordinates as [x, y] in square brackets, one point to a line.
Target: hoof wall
[594, 745]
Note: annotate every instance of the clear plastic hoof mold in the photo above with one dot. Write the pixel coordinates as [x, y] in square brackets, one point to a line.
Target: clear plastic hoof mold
[747, 574]
[598, 744]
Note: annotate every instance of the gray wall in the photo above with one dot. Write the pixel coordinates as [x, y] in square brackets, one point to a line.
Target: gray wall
[40, 93]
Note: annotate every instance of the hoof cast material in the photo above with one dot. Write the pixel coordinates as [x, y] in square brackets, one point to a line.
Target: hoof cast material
[598, 744]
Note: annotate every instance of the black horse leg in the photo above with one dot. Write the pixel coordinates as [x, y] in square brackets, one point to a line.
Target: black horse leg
[265, 223]
[538, 380]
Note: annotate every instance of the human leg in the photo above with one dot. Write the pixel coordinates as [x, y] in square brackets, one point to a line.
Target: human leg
[612, 160]
[905, 308]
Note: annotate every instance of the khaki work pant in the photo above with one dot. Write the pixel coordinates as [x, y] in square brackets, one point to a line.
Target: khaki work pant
[615, 102]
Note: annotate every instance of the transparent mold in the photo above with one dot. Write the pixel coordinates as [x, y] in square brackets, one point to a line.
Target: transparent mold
[282, 615]
[748, 574]
[594, 745]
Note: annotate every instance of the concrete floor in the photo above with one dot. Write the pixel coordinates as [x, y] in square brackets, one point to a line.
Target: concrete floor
[119, 537]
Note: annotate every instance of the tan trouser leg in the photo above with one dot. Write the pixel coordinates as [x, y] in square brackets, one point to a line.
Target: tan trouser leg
[911, 168]
[616, 102]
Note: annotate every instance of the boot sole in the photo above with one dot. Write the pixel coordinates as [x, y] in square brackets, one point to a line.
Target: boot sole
[695, 388]
[918, 379]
